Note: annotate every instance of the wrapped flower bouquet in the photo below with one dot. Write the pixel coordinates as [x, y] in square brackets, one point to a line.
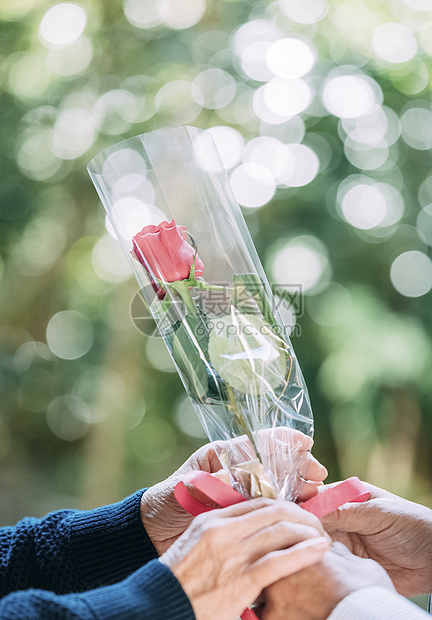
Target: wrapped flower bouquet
[170, 203]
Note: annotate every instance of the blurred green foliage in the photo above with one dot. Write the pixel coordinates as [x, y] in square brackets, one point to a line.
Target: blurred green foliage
[91, 409]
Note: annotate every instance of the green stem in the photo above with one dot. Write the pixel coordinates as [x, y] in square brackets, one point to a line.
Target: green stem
[241, 421]
[205, 286]
[181, 287]
[279, 398]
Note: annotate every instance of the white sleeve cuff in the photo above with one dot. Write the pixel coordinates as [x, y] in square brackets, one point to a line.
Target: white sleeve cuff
[376, 603]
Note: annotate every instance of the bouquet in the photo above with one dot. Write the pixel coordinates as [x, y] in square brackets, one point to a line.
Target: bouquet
[170, 203]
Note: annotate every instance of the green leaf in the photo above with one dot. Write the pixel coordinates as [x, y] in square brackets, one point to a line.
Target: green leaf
[198, 324]
[187, 355]
[168, 333]
[249, 297]
[200, 283]
[217, 388]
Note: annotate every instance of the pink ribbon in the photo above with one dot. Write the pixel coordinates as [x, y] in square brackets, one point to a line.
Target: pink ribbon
[350, 490]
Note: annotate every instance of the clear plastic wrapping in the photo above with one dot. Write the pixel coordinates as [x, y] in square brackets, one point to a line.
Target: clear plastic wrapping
[170, 203]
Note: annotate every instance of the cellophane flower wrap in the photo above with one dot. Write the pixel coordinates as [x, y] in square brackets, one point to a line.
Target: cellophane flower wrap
[170, 203]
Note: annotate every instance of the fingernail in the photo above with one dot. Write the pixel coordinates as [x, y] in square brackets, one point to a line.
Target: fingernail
[319, 543]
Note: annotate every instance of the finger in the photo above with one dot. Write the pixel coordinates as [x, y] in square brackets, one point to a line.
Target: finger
[263, 513]
[204, 459]
[340, 549]
[291, 436]
[279, 564]
[270, 442]
[282, 437]
[306, 490]
[240, 448]
[242, 508]
[375, 492]
[362, 518]
[311, 469]
[281, 535]
[199, 496]
[359, 517]
[224, 476]
[341, 519]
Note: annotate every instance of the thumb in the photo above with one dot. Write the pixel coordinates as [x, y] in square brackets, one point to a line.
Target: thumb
[204, 459]
[347, 518]
[224, 476]
[351, 516]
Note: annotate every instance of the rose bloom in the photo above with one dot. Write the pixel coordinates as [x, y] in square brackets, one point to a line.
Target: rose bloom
[164, 252]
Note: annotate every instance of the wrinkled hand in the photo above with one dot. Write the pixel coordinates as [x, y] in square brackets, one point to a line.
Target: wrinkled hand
[314, 592]
[165, 520]
[228, 556]
[394, 532]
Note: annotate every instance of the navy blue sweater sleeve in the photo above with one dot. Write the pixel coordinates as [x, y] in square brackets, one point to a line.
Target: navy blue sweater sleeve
[73, 551]
[151, 593]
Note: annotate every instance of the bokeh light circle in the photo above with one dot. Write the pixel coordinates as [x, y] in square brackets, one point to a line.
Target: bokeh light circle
[71, 60]
[35, 157]
[272, 154]
[263, 112]
[180, 14]
[230, 144]
[290, 58]
[287, 98]
[304, 11]
[254, 61]
[186, 419]
[411, 274]
[62, 24]
[253, 185]
[205, 155]
[109, 261]
[69, 334]
[290, 132]
[67, 417]
[125, 163]
[110, 110]
[394, 43]
[217, 88]
[142, 13]
[364, 206]
[424, 223]
[74, 133]
[28, 77]
[349, 96]
[332, 306]
[129, 214]
[419, 5]
[417, 128]
[304, 167]
[179, 101]
[255, 31]
[299, 264]
[103, 390]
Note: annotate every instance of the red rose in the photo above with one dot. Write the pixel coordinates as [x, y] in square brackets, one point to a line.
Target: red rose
[164, 252]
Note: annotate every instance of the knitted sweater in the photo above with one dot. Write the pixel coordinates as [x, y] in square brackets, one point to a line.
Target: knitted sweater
[97, 564]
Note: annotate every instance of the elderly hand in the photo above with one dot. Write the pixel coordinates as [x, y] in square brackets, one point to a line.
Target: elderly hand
[228, 556]
[165, 520]
[314, 592]
[394, 532]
